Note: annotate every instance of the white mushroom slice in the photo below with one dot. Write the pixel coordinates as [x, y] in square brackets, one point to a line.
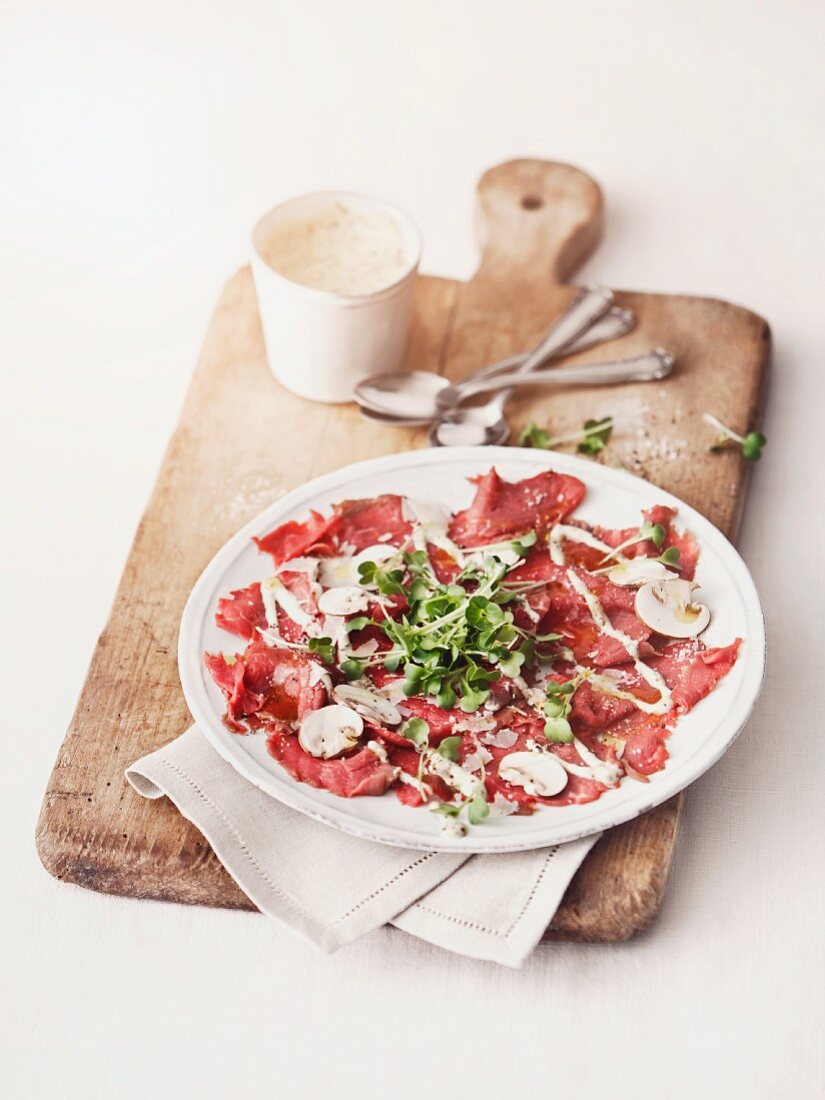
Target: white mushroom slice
[330, 730]
[638, 571]
[668, 608]
[346, 600]
[538, 773]
[369, 704]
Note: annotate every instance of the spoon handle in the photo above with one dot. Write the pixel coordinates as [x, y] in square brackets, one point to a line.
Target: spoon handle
[615, 323]
[642, 368]
[589, 304]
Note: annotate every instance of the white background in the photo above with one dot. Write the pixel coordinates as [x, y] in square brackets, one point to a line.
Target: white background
[138, 144]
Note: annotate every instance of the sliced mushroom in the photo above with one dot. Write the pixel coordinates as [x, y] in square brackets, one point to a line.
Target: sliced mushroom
[369, 704]
[668, 608]
[538, 773]
[330, 730]
[346, 600]
[638, 571]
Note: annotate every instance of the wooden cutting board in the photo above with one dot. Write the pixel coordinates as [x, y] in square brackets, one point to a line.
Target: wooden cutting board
[242, 441]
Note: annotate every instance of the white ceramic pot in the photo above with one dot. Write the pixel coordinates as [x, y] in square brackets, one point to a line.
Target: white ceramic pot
[320, 344]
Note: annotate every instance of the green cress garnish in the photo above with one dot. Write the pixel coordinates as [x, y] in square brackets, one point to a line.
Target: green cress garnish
[453, 640]
[323, 648]
[557, 708]
[751, 444]
[592, 438]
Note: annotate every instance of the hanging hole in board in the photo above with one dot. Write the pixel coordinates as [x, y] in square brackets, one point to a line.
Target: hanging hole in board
[532, 202]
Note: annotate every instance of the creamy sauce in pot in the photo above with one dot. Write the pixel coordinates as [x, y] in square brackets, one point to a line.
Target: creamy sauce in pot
[343, 248]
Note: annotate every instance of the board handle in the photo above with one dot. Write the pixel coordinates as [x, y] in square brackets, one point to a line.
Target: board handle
[536, 220]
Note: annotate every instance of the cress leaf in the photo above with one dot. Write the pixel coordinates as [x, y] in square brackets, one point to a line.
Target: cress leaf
[416, 730]
[358, 623]
[752, 446]
[670, 556]
[558, 730]
[448, 809]
[323, 648]
[531, 435]
[595, 435]
[449, 748]
[352, 668]
[478, 810]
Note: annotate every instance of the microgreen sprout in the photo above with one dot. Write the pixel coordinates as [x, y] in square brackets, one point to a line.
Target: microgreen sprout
[556, 710]
[670, 556]
[478, 808]
[592, 438]
[449, 748]
[323, 648]
[358, 623]
[557, 707]
[531, 435]
[352, 668]
[417, 731]
[595, 436]
[452, 640]
[751, 444]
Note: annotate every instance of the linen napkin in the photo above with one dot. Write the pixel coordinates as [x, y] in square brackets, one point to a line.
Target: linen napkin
[331, 887]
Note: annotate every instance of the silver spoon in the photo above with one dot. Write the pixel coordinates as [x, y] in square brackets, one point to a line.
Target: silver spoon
[411, 395]
[485, 425]
[615, 323]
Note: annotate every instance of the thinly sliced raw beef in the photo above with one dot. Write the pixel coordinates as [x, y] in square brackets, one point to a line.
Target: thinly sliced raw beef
[278, 683]
[292, 539]
[362, 523]
[242, 611]
[645, 749]
[444, 564]
[661, 514]
[362, 773]
[593, 710]
[440, 721]
[302, 589]
[504, 509]
[565, 612]
[228, 674]
[692, 672]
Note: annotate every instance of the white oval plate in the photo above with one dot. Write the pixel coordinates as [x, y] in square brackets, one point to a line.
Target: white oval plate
[614, 499]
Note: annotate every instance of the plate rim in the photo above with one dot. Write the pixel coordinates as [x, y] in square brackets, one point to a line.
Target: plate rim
[293, 795]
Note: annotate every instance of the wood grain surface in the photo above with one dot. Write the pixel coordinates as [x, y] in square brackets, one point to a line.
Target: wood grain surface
[242, 441]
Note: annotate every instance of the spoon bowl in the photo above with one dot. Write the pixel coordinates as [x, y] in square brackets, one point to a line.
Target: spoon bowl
[411, 397]
[471, 426]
